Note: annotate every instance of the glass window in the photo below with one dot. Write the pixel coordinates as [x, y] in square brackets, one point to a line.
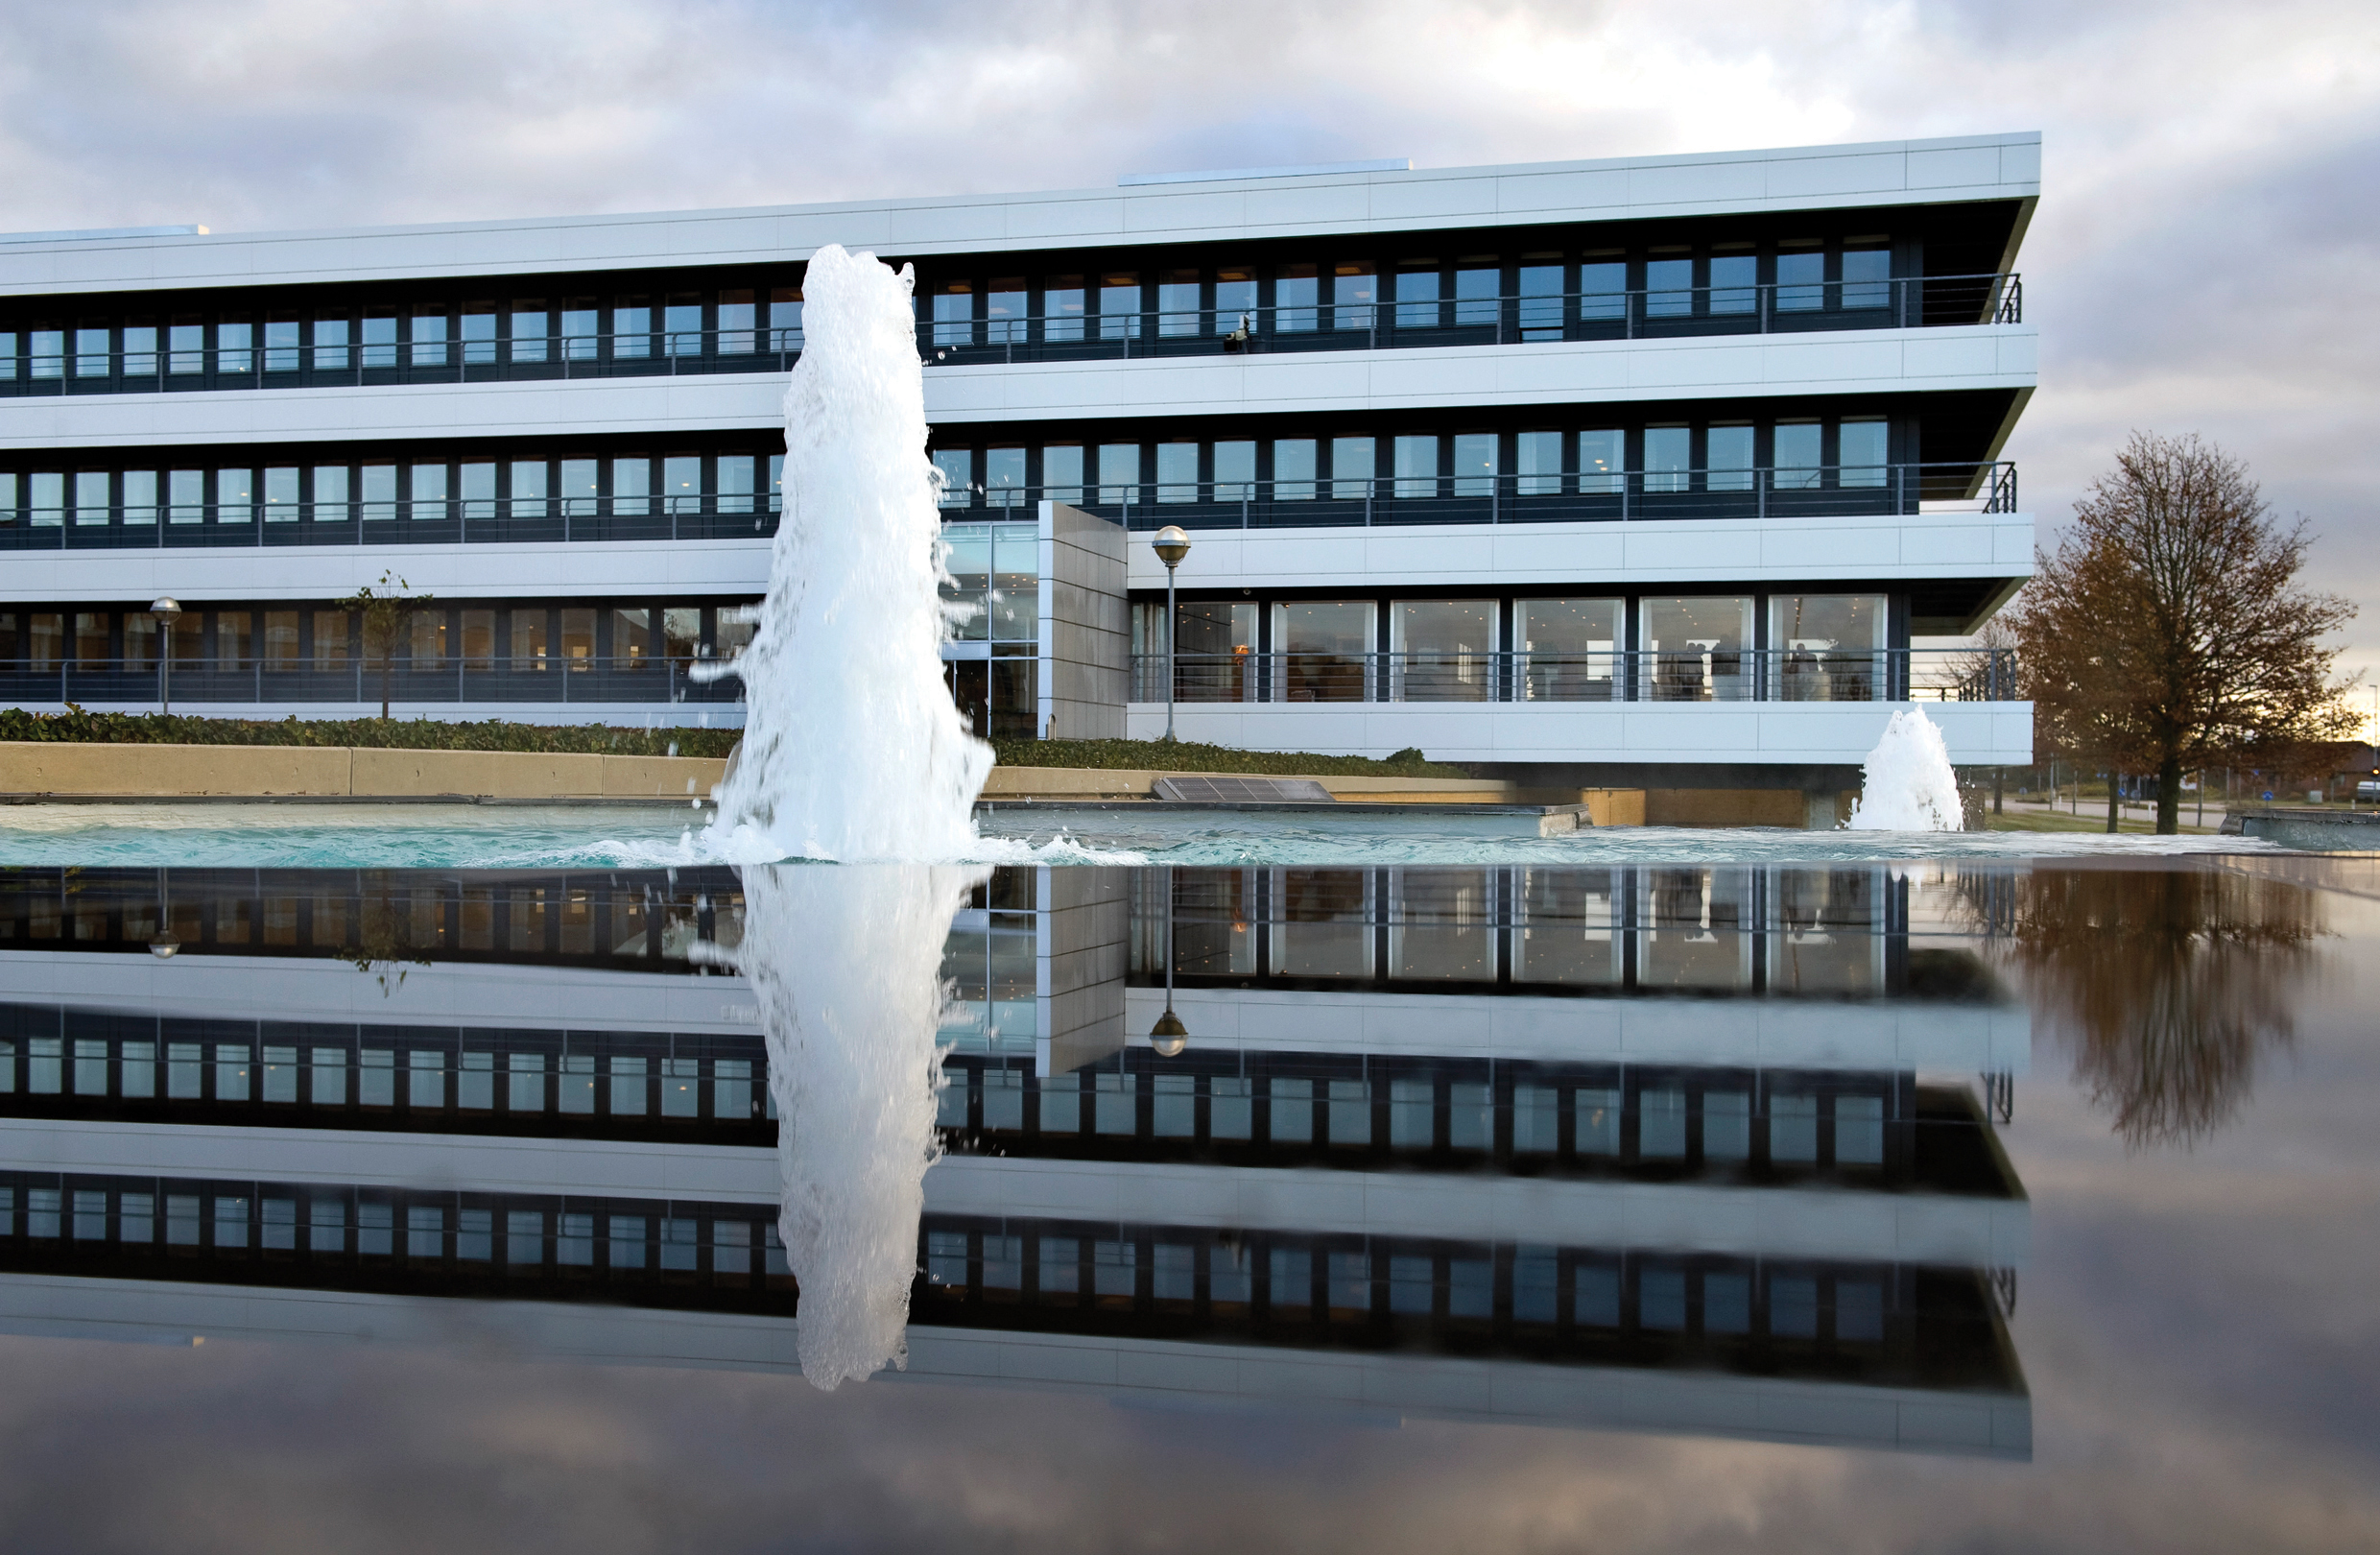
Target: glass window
[139, 1067]
[330, 342]
[681, 483]
[185, 494]
[1479, 286]
[1003, 477]
[1541, 279]
[529, 496]
[1568, 648]
[1353, 466]
[1119, 473]
[1353, 290]
[1416, 296]
[1062, 307]
[1726, 1125]
[1178, 472]
[91, 497]
[379, 492]
[1235, 471]
[428, 496]
[1858, 1310]
[231, 1073]
[331, 630]
[479, 333]
[954, 313]
[1327, 647]
[234, 646]
[529, 645]
[682, 324]
[1862, 456]
[1800, 278]
[1603, 461]
[479, 490]
[185, 341]
[1235, 298]
[785, 319]
[1293, 470]
[1798, 455]
[1866, 277]
[737, 473]
[631, 326]
[524, 1089]
[1444, 650]
[1004, 306]
[1537, 459]
[140, 348]
[958, 470]
[1296, 296]
[737, 315]
[1669, 285]
[627, 1085]
[1475, 463]
[234, 497]
[46, 495]
[1728, 459]
[1669, 458]
[631, 487]
[1734, 278]
[92, 629]
[1119, 306]
[1696, 647]
[282, 495]
[48, 351]
[429, 334]
[1727, 1304]
[1416, 467]
[94, 345]
[282, 328]
[1859, 1130]
[1061, 472]
[330, 494]
[280, 640]
[731, 1088]
[577, 486]
[1177, 302]
[1793, 1129]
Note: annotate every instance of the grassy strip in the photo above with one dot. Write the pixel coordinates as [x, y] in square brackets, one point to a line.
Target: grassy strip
[82, 726]
[2061, 820]
[1185, 756]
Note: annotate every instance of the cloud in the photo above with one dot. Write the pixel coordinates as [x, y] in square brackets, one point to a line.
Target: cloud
[2198, 262]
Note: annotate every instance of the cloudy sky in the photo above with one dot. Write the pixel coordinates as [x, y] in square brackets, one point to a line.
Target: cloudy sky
[2201, 260]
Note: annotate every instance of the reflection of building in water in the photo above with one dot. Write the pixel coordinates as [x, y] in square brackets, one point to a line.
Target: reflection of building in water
[1460, 1154]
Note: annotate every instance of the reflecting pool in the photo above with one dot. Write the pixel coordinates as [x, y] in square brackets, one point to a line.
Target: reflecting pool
[1541, 1201]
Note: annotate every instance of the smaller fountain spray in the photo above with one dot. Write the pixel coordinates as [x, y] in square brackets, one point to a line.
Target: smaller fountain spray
[1907, 783]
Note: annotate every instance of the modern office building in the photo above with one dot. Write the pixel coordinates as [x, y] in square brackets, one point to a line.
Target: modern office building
[1672, 1149]
[1654, 472]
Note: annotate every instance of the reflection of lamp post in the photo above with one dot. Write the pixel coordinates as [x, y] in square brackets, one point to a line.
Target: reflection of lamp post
[167, 610]
[1170, 544]
[165, 944]
[1169, 1035]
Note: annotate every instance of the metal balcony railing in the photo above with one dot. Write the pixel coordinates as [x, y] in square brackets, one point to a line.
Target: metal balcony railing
[207, 680]
[1829, 491]
[490, 521]
[1511, 319]
[104, 361]
[1616, 675]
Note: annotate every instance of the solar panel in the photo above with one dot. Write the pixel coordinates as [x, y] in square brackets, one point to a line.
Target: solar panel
[1200, 789]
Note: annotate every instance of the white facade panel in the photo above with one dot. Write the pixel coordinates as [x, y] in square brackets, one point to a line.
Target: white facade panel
[1638, 553]
[1616, 189]
[1977, 733]
[623, 569]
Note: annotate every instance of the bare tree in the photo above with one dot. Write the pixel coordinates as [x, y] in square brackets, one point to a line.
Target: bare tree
[388, 616]
[2169, 633]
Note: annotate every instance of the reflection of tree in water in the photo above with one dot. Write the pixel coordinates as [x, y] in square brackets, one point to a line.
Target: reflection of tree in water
[2165, 983]
[385, 940]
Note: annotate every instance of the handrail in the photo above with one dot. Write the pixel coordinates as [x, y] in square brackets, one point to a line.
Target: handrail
[200, 678]
[1696, 673]
[52, 362]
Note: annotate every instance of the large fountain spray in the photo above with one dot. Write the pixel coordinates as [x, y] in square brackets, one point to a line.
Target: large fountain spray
[1907, 783]
[853, 747]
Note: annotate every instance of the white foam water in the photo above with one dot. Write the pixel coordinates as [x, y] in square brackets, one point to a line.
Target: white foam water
[853, 747]
[1907, 783]
[846, 967]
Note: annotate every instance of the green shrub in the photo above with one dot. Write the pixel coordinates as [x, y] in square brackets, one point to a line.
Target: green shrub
[79, 725]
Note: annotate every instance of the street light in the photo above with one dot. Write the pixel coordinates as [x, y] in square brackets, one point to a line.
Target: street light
[1169, 1035]
[1172, 545]
[168, 611]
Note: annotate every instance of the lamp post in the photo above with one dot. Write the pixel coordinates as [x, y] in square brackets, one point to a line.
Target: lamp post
[168, 611]
[1170, 544]
[1169, 1035]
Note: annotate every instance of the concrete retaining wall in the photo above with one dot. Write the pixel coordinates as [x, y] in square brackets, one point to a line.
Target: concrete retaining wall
[326, 772]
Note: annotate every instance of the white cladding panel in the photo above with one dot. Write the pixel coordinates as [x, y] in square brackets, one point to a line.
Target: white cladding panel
[1981, 167]
[1573, 373]
[1597, 555]
[1978, 734]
